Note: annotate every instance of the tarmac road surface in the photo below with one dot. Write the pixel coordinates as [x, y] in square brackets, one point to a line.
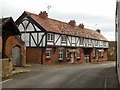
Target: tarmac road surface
[64, 76]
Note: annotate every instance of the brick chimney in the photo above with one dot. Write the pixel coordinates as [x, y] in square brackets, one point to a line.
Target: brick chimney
[81, 26]
[98, 30]
[43, 14]
[72, 23]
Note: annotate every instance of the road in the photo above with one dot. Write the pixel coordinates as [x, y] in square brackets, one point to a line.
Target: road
[64, 76]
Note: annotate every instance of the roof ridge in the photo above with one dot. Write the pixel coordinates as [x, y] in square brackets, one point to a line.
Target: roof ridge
[54, 25]
[57, 20]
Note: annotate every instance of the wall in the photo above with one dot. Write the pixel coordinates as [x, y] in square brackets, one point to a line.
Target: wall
[10, 43]
[0, 44]
[54, 56]
[100, 59]
[7, 67]
[33, 55]
[118, 44]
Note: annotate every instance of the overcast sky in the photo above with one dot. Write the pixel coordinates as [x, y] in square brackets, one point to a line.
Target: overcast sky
[93, 13]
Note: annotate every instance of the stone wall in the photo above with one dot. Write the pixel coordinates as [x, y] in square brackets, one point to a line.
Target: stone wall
[7, 67]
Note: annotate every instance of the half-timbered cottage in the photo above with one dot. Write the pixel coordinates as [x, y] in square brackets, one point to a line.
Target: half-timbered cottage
[51, 41]
[12, 46]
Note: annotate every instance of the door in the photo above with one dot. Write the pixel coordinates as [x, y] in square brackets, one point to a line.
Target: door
[87, 58]
[87, 53]
[16, 53]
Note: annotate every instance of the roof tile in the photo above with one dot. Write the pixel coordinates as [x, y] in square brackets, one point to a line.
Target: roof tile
[65, 28]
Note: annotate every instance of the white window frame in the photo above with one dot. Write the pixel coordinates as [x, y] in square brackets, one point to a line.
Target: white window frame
[61, 54]
[63, 38]
[50, 37]
[104, 43]
[48, 52]
[81, 41]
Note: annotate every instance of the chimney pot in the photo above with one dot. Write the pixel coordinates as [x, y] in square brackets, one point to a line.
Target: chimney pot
[43, 14]
[81, 26]
[72, 23]
[98, 30]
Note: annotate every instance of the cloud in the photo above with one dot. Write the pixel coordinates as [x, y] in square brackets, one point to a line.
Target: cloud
[93, 13]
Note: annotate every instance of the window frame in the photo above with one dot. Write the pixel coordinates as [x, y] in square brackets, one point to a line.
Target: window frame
[63, 38]
[61, 54]
[50, 36]
[48, 53]
[81, 41]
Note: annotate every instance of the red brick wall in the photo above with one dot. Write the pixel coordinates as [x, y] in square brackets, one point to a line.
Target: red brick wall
[33, 55]
[92, 58]
[10, 43]
[105, 55]
[100, 58]
[54, 56]
[82, 55]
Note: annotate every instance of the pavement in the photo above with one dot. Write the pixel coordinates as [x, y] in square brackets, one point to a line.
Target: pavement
[111, 79]
[18, 70]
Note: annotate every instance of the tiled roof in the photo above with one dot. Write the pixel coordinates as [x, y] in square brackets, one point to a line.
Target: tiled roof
[65, 28]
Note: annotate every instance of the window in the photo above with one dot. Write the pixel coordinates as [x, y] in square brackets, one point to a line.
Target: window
[104, 43]
[60, 54]
[48, 50]
[89, 41]
[67, 54]
[93, 42]
[78, 55]
[50, 37]
[81, 41]
[63, 38]
[96, 43]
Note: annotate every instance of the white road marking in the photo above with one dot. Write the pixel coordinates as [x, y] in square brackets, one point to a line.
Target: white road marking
[105, 82]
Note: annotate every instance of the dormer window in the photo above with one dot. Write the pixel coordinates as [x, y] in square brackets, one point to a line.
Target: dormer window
[50, 36]
[63, 38]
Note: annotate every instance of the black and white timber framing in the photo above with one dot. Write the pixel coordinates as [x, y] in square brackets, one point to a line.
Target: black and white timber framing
[34, 35]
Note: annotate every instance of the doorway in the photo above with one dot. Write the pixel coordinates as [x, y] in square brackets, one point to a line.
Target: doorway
[72, 57]
[87, 52]
[16, 54]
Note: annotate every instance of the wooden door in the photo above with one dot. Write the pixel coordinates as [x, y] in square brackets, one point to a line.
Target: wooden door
[16, 53]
